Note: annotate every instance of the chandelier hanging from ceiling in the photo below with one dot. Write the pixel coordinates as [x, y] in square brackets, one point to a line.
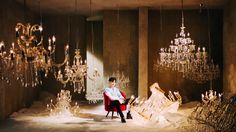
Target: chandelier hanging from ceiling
[77, 73]
[74, 74]
[181, 52]
[183, 57]
[28, 57]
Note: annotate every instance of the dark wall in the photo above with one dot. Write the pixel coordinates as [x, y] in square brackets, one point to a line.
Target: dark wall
[13, 96]
[229, 48]
[162, 29]
[67, 30]
[120, 46]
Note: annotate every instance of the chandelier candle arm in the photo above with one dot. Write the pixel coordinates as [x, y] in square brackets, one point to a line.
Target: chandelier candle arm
[66, 59]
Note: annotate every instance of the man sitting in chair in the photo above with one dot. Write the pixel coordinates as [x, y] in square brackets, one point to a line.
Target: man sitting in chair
[116, 98]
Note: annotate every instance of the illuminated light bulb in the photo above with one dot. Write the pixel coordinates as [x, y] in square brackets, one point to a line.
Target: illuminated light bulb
[53, 39]
[13, 45]
[40, 28]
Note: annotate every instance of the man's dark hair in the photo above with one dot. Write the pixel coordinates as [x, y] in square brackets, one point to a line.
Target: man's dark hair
[112, 79]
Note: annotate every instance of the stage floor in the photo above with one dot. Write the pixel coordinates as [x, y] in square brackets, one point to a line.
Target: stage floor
[91, 119]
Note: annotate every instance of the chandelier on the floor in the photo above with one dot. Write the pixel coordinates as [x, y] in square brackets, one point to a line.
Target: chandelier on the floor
[74, 74]
[154, 108]
[211, 96]
[62, 106]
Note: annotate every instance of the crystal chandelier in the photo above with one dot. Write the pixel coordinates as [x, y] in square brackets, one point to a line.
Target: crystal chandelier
[211, 96]
[75, 74]
[62, 106]
[181, 55]
[215, 115]
[29, 56]
[154, 108]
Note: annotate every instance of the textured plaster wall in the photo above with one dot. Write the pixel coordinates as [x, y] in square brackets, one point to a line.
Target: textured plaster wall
[120, 46]
[229, 47]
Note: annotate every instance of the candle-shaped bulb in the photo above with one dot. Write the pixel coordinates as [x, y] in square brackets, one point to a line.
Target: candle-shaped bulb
[198, 49]
[40, 28]
[67, 47]
[53, 39]
[49, 47]
[132, 96]
[49, 40]
[13, 45]
[202, 95]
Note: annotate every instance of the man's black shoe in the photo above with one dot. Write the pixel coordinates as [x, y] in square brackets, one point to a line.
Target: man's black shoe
[123, 120]
[128, 116]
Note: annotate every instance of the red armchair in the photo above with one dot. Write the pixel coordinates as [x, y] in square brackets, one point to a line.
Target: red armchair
[108, 107]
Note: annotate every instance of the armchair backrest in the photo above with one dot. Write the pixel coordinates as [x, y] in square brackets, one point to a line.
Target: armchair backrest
[107, 100]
